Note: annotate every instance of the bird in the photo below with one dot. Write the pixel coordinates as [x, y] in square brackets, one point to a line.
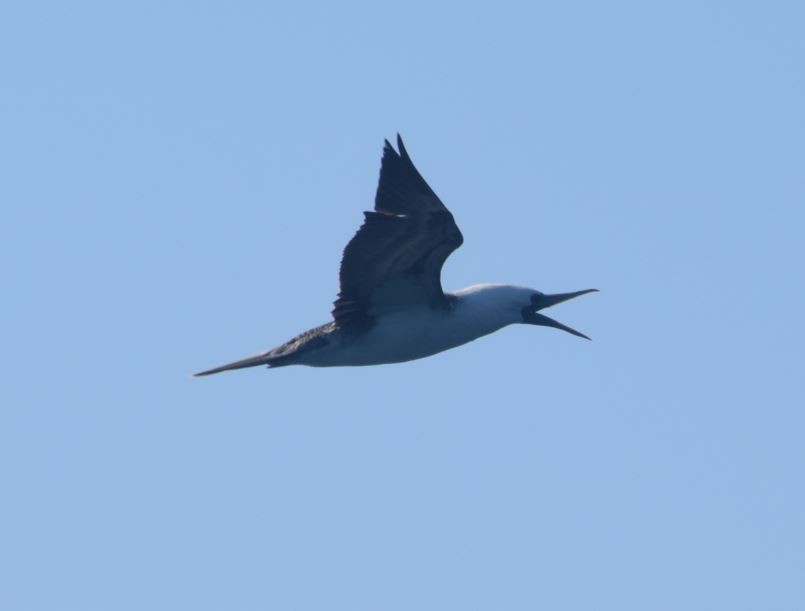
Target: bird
[391, 307]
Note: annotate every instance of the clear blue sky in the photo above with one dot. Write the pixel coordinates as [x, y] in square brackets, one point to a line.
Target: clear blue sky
[178, 181]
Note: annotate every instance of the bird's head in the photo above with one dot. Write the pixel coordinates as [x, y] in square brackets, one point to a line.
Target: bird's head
[534, 301]
[504, 304]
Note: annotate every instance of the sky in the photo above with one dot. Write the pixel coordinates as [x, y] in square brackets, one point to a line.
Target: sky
[178, 182]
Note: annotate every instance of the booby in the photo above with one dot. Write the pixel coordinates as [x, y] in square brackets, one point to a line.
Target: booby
[391, 307]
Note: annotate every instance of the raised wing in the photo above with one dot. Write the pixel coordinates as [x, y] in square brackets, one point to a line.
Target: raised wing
[396, 258]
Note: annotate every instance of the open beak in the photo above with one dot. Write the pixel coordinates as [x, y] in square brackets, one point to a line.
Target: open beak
[546, 301]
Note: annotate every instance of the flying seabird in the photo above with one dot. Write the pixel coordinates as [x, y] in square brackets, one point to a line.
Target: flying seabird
[391, 307]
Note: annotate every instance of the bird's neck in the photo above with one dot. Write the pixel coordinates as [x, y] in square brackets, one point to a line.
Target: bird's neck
[483, 309]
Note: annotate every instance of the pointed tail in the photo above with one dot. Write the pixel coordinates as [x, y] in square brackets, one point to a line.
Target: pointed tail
[253, 361]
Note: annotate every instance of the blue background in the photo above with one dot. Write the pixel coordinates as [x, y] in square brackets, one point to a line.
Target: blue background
[178, 181]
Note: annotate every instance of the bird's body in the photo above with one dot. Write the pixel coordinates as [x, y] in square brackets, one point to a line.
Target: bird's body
[391, 307]
[406, 334]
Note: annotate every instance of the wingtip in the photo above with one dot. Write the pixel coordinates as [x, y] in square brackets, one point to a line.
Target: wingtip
[389, 151]
[401, 146]
[399, 151]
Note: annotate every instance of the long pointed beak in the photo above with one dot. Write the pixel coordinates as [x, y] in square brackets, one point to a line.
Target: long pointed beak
[544, 321]
[546, 301]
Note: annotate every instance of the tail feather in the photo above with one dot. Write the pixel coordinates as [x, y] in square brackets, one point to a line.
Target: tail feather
[288, 353]
[253, 361]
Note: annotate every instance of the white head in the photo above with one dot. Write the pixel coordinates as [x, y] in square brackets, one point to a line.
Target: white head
[517, 304]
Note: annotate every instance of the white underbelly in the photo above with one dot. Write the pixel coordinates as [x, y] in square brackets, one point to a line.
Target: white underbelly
[396, 338]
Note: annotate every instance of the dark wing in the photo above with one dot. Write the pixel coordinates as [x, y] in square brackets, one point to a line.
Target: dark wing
[396, 257]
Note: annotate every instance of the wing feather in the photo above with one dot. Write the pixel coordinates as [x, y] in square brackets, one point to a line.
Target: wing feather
[396, 257]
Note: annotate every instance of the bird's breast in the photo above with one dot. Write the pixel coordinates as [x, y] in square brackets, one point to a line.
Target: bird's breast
[402, 336]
